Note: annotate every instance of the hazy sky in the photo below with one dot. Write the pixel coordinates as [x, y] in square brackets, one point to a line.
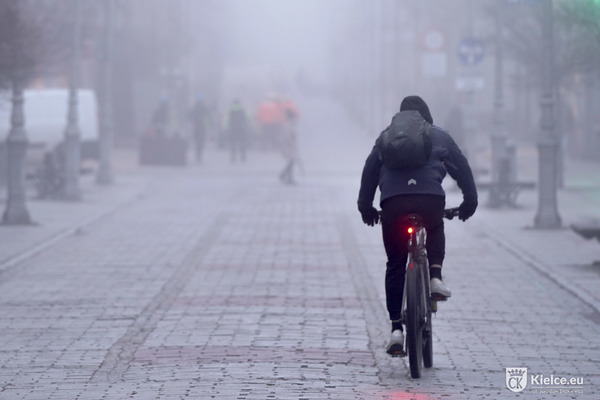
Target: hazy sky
[289, 34]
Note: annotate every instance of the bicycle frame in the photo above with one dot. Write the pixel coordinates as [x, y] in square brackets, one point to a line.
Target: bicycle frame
[417, 305]
[417, 302]
[417, 254]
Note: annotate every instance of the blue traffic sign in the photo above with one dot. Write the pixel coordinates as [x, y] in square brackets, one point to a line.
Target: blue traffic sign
[470, 51]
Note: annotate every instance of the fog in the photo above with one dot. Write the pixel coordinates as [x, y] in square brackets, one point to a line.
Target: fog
[282, 35]
[365, 56]
[349, 63]
[190, 226]
[343, 62]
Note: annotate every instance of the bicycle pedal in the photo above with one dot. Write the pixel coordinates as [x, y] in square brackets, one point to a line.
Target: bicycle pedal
[398, 354]
[438, 298]
[396, 350]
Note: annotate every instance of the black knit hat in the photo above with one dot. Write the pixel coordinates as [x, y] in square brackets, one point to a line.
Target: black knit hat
[418, 104]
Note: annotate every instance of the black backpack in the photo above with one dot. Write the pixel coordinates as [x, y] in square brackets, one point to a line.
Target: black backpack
[406, 143]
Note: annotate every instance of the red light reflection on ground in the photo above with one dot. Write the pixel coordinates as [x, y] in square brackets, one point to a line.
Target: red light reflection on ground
[409, 396]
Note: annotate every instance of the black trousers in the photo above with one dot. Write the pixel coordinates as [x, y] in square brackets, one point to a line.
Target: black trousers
[395, 237]
[237, 147]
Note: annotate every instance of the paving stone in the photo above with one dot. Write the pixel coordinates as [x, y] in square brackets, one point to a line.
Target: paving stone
[215, 281]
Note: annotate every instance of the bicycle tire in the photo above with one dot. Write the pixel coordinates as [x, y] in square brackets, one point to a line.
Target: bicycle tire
[414, 318]
[428, 328]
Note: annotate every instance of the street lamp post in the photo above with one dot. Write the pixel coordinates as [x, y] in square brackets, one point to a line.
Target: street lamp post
[498, 136]
[105, 175]
[16, 143]
[547, 214]
[71, 190]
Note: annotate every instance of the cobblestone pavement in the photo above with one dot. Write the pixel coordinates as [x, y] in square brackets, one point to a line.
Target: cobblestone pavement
[216, 281]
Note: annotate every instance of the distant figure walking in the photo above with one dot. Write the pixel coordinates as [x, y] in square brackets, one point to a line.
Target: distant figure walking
[200, 119]
[288, 144]
[237, 129]
[271, 119]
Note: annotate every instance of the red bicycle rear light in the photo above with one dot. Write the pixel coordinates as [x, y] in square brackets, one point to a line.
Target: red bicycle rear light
[410, 229]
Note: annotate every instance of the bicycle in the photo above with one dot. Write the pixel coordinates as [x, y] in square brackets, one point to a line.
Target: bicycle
[418, 304]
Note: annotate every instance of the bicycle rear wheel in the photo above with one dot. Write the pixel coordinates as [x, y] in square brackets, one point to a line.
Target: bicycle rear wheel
[427, 329]
[414, 318]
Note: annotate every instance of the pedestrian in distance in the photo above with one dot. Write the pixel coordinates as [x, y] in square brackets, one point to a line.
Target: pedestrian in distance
[237, 127]
[199, 117]
[414, 190]
[288, 145]
[290, 110]
[271, 119]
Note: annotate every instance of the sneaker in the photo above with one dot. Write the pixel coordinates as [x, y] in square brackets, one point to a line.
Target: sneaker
[395, 347]
[439, 291]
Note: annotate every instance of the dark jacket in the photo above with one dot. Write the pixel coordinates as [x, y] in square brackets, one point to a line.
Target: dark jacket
[237, 120]
[445, 157]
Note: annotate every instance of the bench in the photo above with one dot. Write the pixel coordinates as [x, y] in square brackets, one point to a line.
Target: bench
[505, 190]
[589, 231]
[504, 193]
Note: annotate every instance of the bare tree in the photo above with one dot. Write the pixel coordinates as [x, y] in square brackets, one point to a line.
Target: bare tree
[577, 36]
[579, 24]
[20, 42]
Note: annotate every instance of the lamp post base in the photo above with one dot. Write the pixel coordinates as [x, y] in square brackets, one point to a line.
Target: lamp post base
[16, 215]
[547, 215]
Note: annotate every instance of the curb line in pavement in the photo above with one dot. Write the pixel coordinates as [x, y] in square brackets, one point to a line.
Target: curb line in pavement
[11, 262]
[538, 266]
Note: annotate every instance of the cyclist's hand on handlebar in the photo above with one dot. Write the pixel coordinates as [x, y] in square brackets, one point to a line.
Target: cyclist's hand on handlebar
[370, 216]
[467, 209]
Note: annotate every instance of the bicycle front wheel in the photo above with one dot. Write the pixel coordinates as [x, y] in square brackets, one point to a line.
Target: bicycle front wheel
[428, 342]
[415, 312]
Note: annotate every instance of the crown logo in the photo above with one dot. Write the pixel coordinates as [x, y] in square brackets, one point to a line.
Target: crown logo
[516, 372]
[516, 378]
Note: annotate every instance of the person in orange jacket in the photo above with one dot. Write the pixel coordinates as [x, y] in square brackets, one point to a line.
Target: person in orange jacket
[271, 119]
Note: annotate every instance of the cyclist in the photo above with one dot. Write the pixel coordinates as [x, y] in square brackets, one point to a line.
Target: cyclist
[417, 191]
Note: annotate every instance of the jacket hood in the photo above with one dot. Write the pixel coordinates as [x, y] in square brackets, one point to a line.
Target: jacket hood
[418, 104]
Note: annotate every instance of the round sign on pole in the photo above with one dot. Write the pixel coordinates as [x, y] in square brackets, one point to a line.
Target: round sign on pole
[434, 40]
[470, 51]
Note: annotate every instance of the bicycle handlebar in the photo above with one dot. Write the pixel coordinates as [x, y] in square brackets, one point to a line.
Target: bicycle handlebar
[450, 213]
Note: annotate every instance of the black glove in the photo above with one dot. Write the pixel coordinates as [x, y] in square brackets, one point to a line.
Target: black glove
[370, 216]
[467, 209]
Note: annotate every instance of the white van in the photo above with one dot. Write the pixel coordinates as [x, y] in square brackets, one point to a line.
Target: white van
[45, 112]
